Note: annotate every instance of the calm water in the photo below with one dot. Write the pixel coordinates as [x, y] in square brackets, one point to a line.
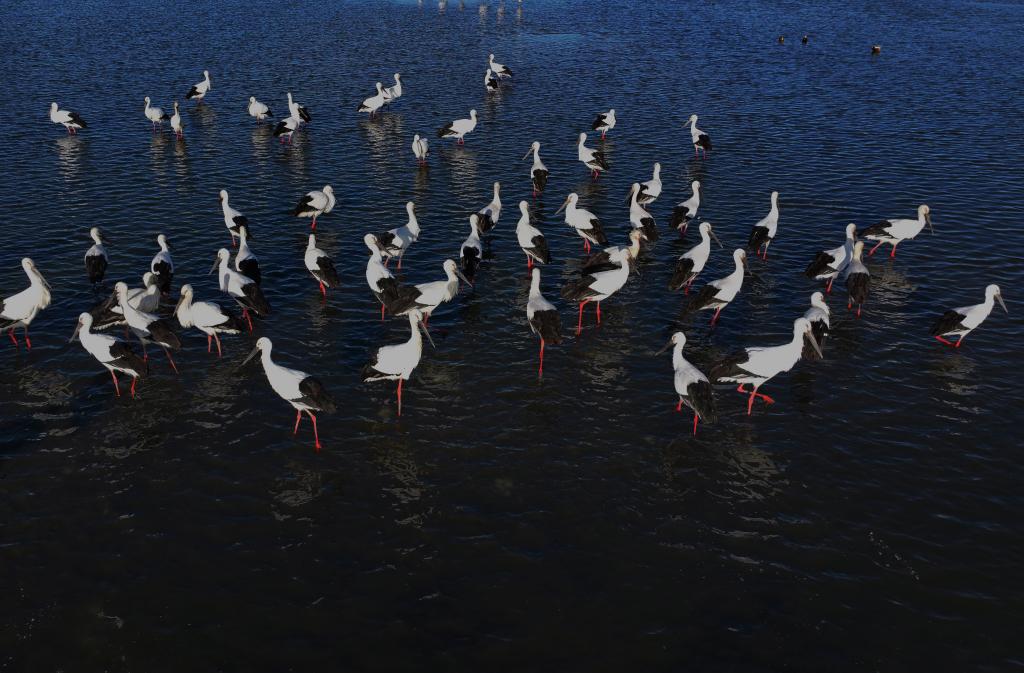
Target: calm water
[870, 520]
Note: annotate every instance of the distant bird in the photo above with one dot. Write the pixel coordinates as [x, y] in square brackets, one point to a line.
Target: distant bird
[692, 262]
[207, 317]
[830, 263]
[315, 203]
[96, 257]
[583, 221]
[701, 140]
[491, 81]
[374, 103]
[896, 231]
[818, 315]
[246, 262]
[639, 217]
[426, 297]
[876, 49]
[458, 128]
[176, 124]
[756, 366]
[22, 308]
[530, 239]
[603, 260]
[719, 293]
[782, 39]
[69, 120]
[420, 149]
[472, 252]
[155, 115]
[598, 286]
[593, 159]
[490, 213]
[686, 210]
[393, 93]
[241, 288]
[501, 71]
[299, 112]
[257, 110]
[232, 218]
[304, 392]
[162, 265]
[398, 361]
[147, 327]
[858, 279]
[286, 128]
[538, 172]
[804, 39]
[320, 266]
[198, 91]
[604, 123]
[960, 322]
[542, 316]
[396, 242]
[763, 233]
[651, 190]
[381, 281]
[146, 299]
[692, 387]
[111, 352]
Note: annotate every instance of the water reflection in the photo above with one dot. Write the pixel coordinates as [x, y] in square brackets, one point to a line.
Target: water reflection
[70, 150]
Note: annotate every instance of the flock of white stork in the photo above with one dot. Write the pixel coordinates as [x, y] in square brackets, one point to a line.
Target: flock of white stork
[602, 274]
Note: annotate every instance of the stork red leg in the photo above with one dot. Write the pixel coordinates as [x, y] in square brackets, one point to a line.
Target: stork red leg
[399, 397]
[28, 341]
[828, 287]
[529, 262]
[316, 433]
[117, 388]
[135, 379]
[875, 248]
[10, 333]
[598, 313]
[579, 324]
[217, 339]
[382, 312]
[298, 419]
[209, 343]
[322, 290]
[171, 360]
[893, 253]
[679, 406]
[944, 340]
[714, 318]
[695, 417]
[245, 314]
[540, 367]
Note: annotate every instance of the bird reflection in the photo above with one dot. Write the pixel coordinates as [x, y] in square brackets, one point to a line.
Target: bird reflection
[421, 181]
[70, 149]
[463, 163]
[202, 115]
[261, 137]
[384, 138]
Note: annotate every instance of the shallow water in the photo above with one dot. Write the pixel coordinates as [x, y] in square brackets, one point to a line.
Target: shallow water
[869, 520]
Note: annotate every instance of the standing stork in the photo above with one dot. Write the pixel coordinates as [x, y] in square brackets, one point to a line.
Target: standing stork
[490, 213]
[176, 125]
[393, 93]
[895, 232]
[155, 115]
[858, 279]
[763, 233]
[240, 287]
[701, 141]
[756, 366]
[530, 239]
[398, 361]
[458, 128]
[396, 242]
[686, 210]
[499, 70]
[639, 217]
[692, 262]
[315, 203]
[651, 190]
[23, 307]
[257, 110]
[382, 282]
[207, 317]
[692, 387]
[604, 122]
[594, 160]
[162, 266]
[69, 120]
[538, 172]
[320, 266]
[599, 285]
[719, 293]
[299, 112]
[199, 90]
[491, 82]
[96, 260]
[148, 328]
[246, 261]
[603, 261]
[830, 263]
[286, 128]
[304, 392]
[426, 297]
[146, 299]
[583, 221]
[111, 352]
[960, 322]
[818, 315]
[471, 253]
[542, 316]
[232, 218]
[374, 103]
[420, 149]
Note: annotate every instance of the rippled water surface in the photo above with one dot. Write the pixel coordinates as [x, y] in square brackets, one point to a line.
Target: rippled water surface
[869, 520]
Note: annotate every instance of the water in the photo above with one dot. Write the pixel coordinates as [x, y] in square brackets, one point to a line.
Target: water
[870, 520]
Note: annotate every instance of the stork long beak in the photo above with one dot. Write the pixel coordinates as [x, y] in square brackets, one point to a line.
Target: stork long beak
[928, 220]
[463, 278]
[75, 334]
[181, 300]
[527, 155]
[714, 236]
[426, 333]
[250, 356]
[814, 344]
[665, 347]
[999, 298]
[562, 207]
[216, 263]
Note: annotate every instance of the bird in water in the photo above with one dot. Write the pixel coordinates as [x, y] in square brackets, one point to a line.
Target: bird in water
[960, 322]
[858, 279]
[96, 260]
[21, 309]
[111, 352]
[692, 387]
[542, 317]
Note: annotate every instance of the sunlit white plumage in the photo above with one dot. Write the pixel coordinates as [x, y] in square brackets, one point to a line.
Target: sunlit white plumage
[583, 221]
[22, 308]
[719, 293]
[71, 121]
[459, 128]
[830, 263]
[896, 231]
[692, 262]
[593, 159]
[960, 322]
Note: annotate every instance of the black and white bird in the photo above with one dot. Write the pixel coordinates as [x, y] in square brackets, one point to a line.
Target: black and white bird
[763, 233]
[598, 286]
[686, 210]
[701, 141]
[583, 221]
[651, 190]
[639, 217]
[304, 392]
[719, 293]
[604, 122]
[22, 308]
[692, 262]
[499, 70]
[692, 387]
[858, 279]
[896, 231]
[393, 93]
[286, 128]
[209, 318]
[542, 316]
[818, 315]
[162, 265]
[382, 282]
[960, 322]
[240, 287]
[491, 81]
[299, 112]
[315, 203]
[603, 260]
[458, 128]
[155, 115]
[593, 159]
[490, 213]
[199, 90]
[538, 172]
[257, 110]
[96, 259]
[320, 266]
[246, 262]
[756, 366]
[147, 327]
[471, 253]
[374, 103]
[530, 239]
[232, 218]
[66, 118]
[146, 299]
[176, 124]
[420, 149]
[426, 297]
[396, 242]
[828, 264]
[111, 352]
[398, 361]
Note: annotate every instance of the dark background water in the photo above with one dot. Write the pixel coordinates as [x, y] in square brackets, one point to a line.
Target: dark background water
[870, 520]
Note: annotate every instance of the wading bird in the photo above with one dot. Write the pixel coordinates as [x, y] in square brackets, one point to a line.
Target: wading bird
[692, 262]
[96, 260]
[207, 317]
[895, 232]
[960, 322]
[398, 361]
[583, 221]
[542, 316]
[69, 120]
[111, 352]
[719, 293]
[830, 263]
[763, 233]
[692, 387]
[315, 203]
[22, 308]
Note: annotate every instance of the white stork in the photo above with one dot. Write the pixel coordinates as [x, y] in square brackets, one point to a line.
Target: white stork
[22, 308]
[155, 115]
[320, 266]
[858, 279]
[246, 261]
[240, 287]
[701, 141]
[66, 118]
[530, 239]
[148, 328]
[257, 110]
[604, 122]
[489, 214]
[458, 128]
[686, 210]
[692, 262]
[763, 233]
[393, 93]
[207, 317]
[692, 387]
[398, 361]
[500, 71]
[426, 297]
[232, 218]
[542, 316]
[819, 316]
[599, 285]
[162, 266]
[199, 90]
[960, 322]
[111, 352]
[374, 103]
[471, 253]
[593, 159]
[651, 190]
[583, 221]
[828, 264]
[315, 203]
[396, 242]
[639, 217]
[719, 293]
[895, 232]
[538, 172]
[420, 149]
[96, 259]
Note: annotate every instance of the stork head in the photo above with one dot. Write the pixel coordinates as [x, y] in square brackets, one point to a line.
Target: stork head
[993, 292]
[818, 300]
[677, 339]
[926, 213]
[851, 231]
[223, 195]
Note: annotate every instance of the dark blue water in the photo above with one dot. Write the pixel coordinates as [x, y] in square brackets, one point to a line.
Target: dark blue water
[869, 520]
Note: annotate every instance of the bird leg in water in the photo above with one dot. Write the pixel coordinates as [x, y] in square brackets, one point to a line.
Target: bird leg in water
[540, 367]
[117, 388]
[828, 286]
[313, 225]
[28, 341]
[598, 313]
[209, 342]
[217, 339]
[298, 419]
[399, 396]
[171, 360]
[893, 253]
[714, 318]
[579, 324]
[322, 290]
[753, 394]
[875, 248]
[382, 312]
[245, 314]
[316, 434]
[679, 406]
[695, 417]
[135, 380]
[10, 333]
[529, 262]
